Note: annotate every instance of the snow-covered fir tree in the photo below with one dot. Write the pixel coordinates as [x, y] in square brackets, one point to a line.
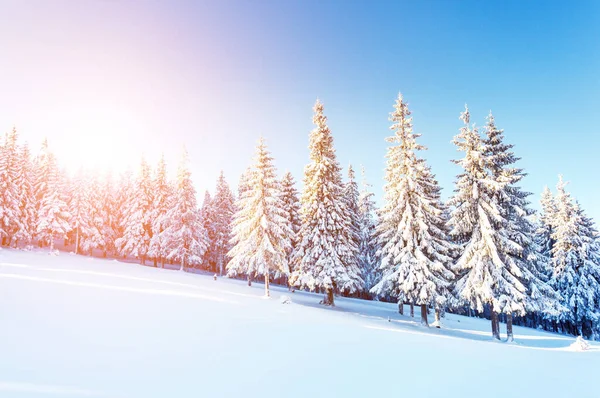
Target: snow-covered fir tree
[185, 235]
[576, 264]
[489, 274]
[138, 223]
[93, 239]
[162, 199]
[52, 216]
[108, 230]
[25, 181]
[520, 254]
[368, 261]
[291, 205]
[261, 232]
[123, 196]
[546, 223]
[223, 208]
[415, 250]
[325, 243]
[244, 182]
[207, 216]
[351, 196]
[10, 221]
[79, 209]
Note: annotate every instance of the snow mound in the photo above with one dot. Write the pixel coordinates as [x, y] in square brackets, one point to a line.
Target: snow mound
[579, 345]
[436, 324]
[285, 300]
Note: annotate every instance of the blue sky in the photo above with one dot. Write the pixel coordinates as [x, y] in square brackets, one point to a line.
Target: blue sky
[108, 80]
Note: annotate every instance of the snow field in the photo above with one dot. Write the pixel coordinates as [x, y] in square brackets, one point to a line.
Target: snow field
[77, 326]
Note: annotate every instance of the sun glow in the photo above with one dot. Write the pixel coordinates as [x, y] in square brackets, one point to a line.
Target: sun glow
[95, 138]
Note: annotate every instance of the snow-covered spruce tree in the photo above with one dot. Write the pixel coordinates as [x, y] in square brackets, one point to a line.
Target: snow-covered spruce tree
[95, 219]
[351, 196]
[488, 275]
[207, 218]
[122, 199]
[52, 211]
[261, 234]
[79, 209]
[25, 181]
[415, 252]
[223, 207]
[325, 244]
[546, 223]
[291, 205]
[185, 235]
[108, 213]
[138, 223]
[576, 264]
[244, 182]
[162, 198]
[9, 188]
[520, 253]
[368, 261]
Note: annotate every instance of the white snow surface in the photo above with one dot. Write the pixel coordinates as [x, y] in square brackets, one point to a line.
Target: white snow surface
[76, 326]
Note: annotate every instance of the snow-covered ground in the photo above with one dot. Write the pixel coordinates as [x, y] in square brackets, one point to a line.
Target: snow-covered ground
[78, 326]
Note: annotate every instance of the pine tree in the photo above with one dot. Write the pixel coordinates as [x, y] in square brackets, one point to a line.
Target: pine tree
[108, 213]
[26, 226]
[52, 212]
[123, 197]
[521, 256]
[261, 233]
[546, 223]
[185, 235]
[493, 249]
[244, 182]
[207, 217]
[368, 260]
[93, 239]
[325, 245]
[576, 262]
[351, 196]
[138, 223]
[415, 251]
[223, 207]
[291, 205]
[161, 203]
[79, 209]
[10, 221]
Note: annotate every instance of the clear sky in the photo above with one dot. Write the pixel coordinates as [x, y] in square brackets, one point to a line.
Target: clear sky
[112, 79]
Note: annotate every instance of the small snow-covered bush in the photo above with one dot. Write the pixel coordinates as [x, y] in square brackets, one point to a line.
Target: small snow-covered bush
[285, 300]
[580, 344]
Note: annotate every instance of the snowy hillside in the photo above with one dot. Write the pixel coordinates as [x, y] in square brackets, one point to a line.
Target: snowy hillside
[76, 326]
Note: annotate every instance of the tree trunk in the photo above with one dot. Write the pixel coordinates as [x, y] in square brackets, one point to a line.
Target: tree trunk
[155, 261]
[162, 262]
[77, 241]
[412, 309]
[329, 300]
[424, 320]
[51, 243]
[267, 293]
[509, 327]
[400, 307]
[220, 262]
[495, 326]
[437, 318]
[249, 280]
